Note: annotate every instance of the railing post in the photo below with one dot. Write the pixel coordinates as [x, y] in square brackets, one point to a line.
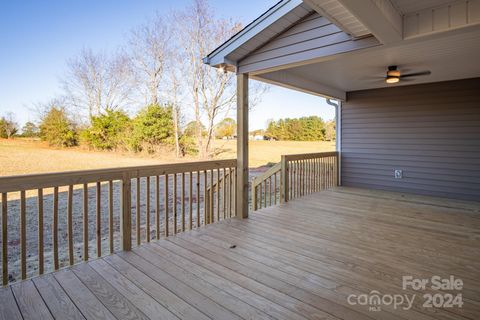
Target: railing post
[284, 179]
[126, 216]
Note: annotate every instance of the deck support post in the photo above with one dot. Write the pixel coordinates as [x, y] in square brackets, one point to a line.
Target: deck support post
[242, 146]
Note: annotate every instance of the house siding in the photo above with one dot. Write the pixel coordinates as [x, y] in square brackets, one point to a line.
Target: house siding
[313, 37]
[430, 131]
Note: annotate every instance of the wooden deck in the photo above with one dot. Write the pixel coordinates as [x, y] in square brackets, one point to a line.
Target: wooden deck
[301, 260]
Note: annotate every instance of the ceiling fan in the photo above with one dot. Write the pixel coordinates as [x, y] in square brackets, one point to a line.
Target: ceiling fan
[394, 75]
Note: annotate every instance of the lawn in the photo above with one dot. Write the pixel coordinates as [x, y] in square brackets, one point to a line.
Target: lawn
[23, 156]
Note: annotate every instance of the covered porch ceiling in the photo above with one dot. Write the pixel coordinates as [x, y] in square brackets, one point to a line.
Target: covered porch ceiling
[451, 57]
[330, 47]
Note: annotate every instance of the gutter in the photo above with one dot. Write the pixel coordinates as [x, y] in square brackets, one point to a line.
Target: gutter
[337, 104]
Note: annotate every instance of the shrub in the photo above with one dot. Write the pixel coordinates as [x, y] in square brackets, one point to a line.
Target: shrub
[152, 127]
[30, 130]
[107, 131]
[8, 127]
[191, 129]
[57, 129]
[226, 128]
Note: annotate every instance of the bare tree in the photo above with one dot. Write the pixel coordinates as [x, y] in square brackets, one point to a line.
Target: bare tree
[176, 110]
[149, 50]
[97, 82]
[212, 91]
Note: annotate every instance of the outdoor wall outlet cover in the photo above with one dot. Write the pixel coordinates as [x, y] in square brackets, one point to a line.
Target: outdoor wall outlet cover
[398, 174]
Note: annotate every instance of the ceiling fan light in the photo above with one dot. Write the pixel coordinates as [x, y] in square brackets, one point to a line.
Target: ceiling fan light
[393, 73]
[391, 79]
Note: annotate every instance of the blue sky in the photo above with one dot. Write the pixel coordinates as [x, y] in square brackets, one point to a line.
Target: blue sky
[37, 37]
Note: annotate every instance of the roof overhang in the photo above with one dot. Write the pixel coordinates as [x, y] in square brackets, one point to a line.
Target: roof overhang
[284, 46]
[257, 32]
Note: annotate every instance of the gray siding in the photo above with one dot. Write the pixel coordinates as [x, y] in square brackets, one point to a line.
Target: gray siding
[430, 131]
[311, 38]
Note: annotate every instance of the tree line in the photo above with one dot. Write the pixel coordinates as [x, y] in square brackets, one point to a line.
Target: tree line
[311, 128]
[153, 91]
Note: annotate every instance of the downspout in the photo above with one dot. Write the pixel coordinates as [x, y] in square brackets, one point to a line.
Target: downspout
[337, 104]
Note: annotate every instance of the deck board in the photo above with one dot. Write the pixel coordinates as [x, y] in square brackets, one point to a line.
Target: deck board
[299, 260]
[56, 299]
[8, 308]
[30, 302]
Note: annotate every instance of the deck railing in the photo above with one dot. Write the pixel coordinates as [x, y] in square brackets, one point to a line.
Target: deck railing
[151, 201]
[266, 188]
[295, 176]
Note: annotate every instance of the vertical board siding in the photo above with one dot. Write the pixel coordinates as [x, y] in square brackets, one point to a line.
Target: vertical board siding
[430, 131]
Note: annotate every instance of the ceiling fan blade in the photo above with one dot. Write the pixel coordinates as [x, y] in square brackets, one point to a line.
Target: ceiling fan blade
[416, 74]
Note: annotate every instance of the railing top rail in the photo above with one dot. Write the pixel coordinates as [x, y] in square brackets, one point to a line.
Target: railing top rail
[259, 179]
[48, 180]
[306, 156]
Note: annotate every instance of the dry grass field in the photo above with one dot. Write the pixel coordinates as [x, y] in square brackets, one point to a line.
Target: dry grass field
[23, 157]
[264, 152]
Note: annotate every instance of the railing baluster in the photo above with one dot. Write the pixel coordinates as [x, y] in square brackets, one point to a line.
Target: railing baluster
[23, 235]
[327, 180]
[98, 216]
[218, 194]
[157, 207]
[307, 177]
[275, 188]
[210, 197]
[190, 195]
[166, 205]
[270, 190]
[290, 182]
[85, 222]
[264, 199]
[329, 160]
[229, 192]
[304, 177]
[254, 195]
[110, 216]
[175, 203]
[198, 198]
[4, 239]
[319, 174]
[147, 211]
[224, 192]
[55, 228]
[260, 192]
[71, 258]
[137, 212]
[312, 175]
[40, 232]
[183, 201]
[205, 201]
[234, 193]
